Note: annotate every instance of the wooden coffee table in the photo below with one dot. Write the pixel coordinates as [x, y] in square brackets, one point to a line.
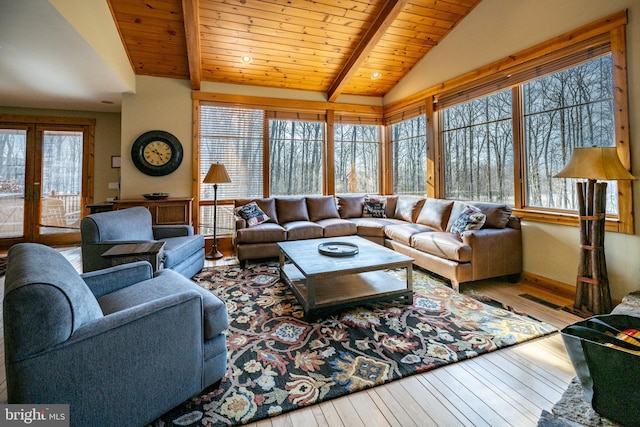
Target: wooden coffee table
[322, 282]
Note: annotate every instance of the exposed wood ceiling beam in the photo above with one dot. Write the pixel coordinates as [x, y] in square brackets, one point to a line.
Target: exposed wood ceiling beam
[383, 21]
[192, 32]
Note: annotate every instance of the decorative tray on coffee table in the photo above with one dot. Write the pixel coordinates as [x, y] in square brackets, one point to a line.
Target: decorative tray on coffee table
[338, 249]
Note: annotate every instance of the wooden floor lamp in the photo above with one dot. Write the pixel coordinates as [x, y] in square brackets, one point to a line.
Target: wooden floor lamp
[217, 174]
[593, 295]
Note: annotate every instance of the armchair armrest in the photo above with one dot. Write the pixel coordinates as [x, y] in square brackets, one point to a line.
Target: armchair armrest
[167, 231]
[102, 282]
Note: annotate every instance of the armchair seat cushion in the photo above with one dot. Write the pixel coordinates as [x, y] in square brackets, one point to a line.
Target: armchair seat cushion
[177, 249]
[164, 284]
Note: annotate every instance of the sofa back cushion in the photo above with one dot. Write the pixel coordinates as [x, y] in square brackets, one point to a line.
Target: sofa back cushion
[435, 213]
[291, 209]
[497, 214]
[45, 300]
[350, 206]
[267, 205]
[322, 207]
[408, 208]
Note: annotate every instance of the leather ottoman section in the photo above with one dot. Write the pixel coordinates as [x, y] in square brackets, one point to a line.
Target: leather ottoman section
[334, 227]
[403, 232]
[373, 227]
[442, 244]
[263, 233]
[300, 230]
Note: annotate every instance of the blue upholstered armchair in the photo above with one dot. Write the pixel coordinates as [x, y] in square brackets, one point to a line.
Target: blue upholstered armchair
[120, 346]
[183, 251]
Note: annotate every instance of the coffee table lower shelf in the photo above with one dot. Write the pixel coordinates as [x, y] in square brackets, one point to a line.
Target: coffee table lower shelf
[344, 291]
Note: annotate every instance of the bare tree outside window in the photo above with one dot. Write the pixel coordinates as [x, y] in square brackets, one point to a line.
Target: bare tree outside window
[478, 149]
[357, 154]
[295, 149]
[562, 111]
[409, 156]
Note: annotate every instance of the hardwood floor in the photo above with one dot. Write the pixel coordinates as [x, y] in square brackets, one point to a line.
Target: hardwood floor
[509, 387]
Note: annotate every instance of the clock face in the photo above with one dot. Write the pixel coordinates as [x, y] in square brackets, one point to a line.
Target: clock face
[156, 153]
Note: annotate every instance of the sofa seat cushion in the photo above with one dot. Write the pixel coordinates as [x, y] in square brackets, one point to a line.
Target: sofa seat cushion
[403, 232]
[373, 227]
[264, 233]
[177, 249]
[334, 227]
[300, 230]
[443, 245]
[165, 284]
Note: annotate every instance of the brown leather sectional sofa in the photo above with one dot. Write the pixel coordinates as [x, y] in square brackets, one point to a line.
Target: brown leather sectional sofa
[416, 226]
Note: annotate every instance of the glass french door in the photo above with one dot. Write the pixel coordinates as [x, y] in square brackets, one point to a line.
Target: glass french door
[43, 171]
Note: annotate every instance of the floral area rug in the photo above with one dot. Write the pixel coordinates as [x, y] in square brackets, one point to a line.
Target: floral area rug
[277, 362]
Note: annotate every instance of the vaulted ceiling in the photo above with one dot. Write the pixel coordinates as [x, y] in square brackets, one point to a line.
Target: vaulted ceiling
[351, 47]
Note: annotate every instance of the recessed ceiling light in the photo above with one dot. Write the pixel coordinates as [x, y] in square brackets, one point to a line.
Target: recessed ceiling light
[376, 76]
[247, 59]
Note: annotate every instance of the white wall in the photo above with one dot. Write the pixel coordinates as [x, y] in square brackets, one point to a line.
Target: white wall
[498, 28]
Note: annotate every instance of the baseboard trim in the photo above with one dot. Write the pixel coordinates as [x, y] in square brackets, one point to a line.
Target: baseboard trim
[559, 288]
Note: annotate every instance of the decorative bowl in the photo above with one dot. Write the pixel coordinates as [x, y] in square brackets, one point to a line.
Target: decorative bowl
[155, 196]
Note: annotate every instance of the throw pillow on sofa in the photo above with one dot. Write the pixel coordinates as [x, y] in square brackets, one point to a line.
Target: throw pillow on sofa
[471, 218]
[253, 214]
[375, 207]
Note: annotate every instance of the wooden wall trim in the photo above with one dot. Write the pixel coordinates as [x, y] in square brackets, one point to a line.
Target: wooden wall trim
[287, 104]
[558, 288]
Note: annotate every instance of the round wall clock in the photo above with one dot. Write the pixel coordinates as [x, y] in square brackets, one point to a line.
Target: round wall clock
[156, 153]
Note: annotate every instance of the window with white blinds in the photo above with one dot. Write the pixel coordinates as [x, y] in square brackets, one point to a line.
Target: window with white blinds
[232, 136]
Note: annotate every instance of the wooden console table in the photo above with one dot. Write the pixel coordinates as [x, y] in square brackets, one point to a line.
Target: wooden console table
[171, 211]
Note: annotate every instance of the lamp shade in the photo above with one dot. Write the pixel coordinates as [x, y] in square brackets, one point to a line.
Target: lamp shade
[596, 163]
[217, 174]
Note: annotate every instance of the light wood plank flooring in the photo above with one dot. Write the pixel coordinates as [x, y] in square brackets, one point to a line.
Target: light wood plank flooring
[509, 387]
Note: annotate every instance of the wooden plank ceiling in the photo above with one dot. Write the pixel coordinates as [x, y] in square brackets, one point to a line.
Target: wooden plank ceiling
[331, 46]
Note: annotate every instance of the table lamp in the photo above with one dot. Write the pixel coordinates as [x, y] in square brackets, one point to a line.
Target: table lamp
[593, 295]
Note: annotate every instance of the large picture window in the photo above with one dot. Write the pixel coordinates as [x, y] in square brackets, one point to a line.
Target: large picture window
[357, 158]
[409, 156]
[506, 129]
[477, 137]
[564, 110]
[233, 137]
[295, 151]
